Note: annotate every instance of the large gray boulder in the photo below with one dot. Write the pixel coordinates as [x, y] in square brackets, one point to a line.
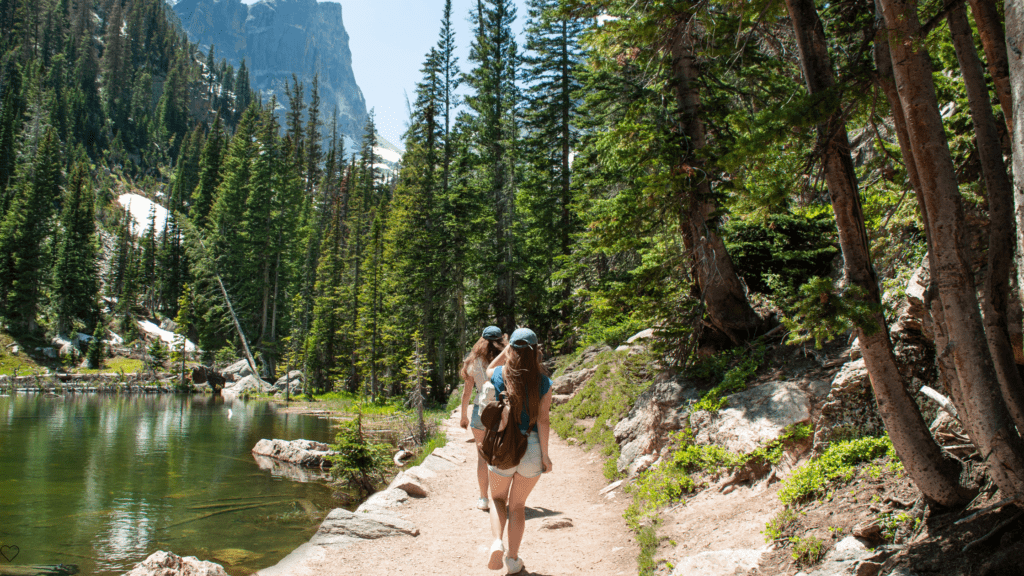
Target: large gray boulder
[292, 381]
[658, 411]
[757, 416]
[250, 385]
[299, 452]
[237, 371]
[849, 408]
[846, 558]
[719, 563]
[342, 525]
[570, 382]
[162, 563]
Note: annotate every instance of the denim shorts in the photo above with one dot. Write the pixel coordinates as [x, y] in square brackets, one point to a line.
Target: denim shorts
[530, 466]
[475, 420]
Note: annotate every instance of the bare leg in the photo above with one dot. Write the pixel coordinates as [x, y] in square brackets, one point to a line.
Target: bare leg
[481, 465]
[499, 503]
[521, 488]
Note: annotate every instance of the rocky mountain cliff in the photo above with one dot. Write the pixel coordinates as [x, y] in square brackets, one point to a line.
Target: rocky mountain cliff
[278, 38]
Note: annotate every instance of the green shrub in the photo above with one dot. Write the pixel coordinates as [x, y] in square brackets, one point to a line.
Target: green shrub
[781, 251]
[837, 462]
[358, 462]
[822, 311]
[776, 527]
[744, 365]
[808, 550]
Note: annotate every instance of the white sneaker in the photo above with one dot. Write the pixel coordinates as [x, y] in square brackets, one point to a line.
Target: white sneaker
[514, 565]
[497, 551]
[482, 504]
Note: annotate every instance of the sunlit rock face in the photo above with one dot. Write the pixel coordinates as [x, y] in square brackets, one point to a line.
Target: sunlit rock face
[278, 38]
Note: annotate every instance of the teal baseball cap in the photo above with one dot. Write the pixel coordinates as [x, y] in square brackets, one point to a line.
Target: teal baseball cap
[491, 333]
[523, 338]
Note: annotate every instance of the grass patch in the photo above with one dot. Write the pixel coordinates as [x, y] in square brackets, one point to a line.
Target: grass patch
[837, 463]
[352, 403]
[435, 440]
[647, 538]
[736, 367]
[606, 398]
[117, 364]
[777, 526]
[807, 550]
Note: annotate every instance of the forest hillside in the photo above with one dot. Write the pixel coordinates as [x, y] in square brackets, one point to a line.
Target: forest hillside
[723, 173]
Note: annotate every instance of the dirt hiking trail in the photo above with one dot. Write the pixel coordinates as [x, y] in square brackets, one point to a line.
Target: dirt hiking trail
[455, 537]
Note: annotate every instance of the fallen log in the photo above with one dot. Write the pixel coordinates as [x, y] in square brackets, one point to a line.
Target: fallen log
[54, 570]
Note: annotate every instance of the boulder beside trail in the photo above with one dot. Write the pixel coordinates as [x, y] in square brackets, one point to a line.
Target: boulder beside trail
[660, 410]
[300, 452]
[162, 563]
[249, 385]
[237, 371]
[570, 382]
[291, 381]
[849, 408]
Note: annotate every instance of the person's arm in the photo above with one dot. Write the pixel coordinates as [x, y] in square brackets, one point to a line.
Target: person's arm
[544, 429]
[467, 393]
[499, 361]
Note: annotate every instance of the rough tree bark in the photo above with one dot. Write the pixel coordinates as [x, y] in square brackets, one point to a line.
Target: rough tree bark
[1000, 212]
[720, 287]
[934, 476]
[993, 41]
[1014, 12]
[986, 414]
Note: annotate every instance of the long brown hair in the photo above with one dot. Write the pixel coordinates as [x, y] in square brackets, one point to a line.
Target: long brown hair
[522, 374]
[485, 350]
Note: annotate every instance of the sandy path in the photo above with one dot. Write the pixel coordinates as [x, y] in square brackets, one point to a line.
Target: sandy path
[455, 536]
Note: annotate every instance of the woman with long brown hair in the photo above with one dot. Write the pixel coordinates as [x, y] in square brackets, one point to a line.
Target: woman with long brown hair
[474, 374]
[519, 372]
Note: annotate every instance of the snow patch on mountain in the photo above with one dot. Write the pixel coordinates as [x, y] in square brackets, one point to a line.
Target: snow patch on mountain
[387, 155]
[140, 207]
[172, 340]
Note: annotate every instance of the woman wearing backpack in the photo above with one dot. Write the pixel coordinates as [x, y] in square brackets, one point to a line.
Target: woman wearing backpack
[474, 374]
[519, 372]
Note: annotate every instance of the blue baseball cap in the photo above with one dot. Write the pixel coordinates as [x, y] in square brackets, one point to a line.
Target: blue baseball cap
[491, 333]
[523, 338]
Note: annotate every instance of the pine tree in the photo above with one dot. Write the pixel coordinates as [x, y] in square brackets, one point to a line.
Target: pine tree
[209, 176]
[494, 102]
[75, 274]
[545, 200]
[23, 235]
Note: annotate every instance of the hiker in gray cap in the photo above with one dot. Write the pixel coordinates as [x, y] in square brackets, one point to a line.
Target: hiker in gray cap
[519, 372]
[474, 374]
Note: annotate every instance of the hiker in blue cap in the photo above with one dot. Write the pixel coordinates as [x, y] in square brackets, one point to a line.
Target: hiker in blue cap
[518, 370]
[474, 374]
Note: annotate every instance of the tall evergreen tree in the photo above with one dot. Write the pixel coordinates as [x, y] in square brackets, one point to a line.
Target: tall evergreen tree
[494, 101]
[75, 272]
[23, 237]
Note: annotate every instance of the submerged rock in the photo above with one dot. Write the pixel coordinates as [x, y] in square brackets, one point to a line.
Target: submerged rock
[161, 563]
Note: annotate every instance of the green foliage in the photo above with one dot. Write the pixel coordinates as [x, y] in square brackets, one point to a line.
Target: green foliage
[157, 353]
[775, 528]
[807, 550]
[780, 252]
[897, 524]
[357, 461]
[95, 354]
[439, 439]
[607, 398]
[744, 365]
[823, 311]
[647, 538]
[836, 464]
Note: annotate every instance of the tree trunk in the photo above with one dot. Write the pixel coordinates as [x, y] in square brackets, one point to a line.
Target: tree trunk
[721, 289]
[1014, 12]
[910, 436]
[994, 43]
[986, 414]
[1000, 211]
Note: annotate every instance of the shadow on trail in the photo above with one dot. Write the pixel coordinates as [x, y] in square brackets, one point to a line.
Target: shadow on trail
[532, 513]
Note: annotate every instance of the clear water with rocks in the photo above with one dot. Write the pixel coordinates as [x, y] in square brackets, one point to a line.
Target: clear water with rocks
[102, 481]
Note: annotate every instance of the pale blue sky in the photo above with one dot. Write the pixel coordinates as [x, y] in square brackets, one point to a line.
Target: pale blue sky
[389, 40]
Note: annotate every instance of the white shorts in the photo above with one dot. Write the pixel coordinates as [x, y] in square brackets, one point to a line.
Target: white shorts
[530, 466]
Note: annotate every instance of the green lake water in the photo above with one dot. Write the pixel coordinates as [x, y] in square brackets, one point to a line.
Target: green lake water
[102, 481]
